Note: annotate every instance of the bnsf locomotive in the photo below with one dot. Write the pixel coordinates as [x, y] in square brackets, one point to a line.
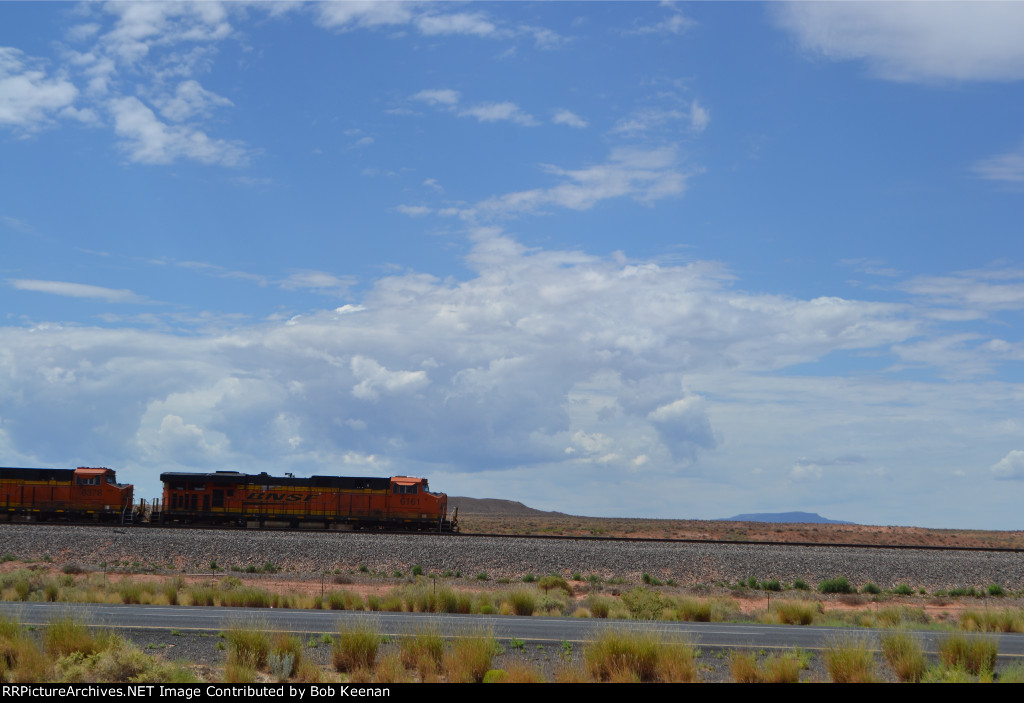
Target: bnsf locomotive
[228, 498]
[261, 500]
[40, 494]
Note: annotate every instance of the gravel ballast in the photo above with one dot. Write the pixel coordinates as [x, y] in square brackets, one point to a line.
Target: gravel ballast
[507, 557]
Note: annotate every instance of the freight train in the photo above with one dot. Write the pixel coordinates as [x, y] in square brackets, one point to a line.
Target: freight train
[227, 498]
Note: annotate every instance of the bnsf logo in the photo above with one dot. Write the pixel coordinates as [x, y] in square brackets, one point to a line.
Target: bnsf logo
[289, 497]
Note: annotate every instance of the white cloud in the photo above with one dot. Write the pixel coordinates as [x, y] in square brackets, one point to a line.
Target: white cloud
[974, 290]
[474, 23]
[414, 210]
[699, 117]
[644, 175]
[444, 96]
[499, 112]
[363, 14]
[648, 119]
[374, 378]
[664, 372]
[1007, 167]
[1010, 466]
[27, 96]
[915, 41]
[150, 141]
[569, 118]
[319, 281]
[676, 23]
[190, 99]
[77, 290]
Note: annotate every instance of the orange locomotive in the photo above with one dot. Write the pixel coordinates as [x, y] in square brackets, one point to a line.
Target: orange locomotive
[42, 494]
[338, 502]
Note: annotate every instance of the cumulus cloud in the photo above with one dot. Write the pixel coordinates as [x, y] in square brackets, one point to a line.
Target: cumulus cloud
[569, 119]
[28, 98]
[536, 352]
[914, 41]
[147, 140]
[1010, 466]
[189, 100]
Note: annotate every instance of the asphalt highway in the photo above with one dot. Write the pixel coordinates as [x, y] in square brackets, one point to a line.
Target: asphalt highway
[528, 629]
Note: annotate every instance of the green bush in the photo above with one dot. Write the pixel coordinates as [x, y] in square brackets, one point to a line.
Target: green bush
[643, 603]
[870, 588]
[839, 584]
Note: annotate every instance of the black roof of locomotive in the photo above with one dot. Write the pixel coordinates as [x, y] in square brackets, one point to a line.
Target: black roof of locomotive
[233, 478]
[36, 474]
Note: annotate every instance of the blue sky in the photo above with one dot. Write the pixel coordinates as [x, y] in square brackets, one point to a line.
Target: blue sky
[642, 259]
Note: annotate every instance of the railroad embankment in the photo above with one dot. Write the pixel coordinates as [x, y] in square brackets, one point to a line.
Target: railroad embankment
[506, 557]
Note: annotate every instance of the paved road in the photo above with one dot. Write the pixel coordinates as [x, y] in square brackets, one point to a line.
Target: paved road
[529, 629]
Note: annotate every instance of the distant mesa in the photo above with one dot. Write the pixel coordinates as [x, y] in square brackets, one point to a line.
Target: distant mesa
[784, 517]
[495, 506]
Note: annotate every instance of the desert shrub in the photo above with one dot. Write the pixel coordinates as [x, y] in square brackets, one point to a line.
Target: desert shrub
[246, 597]
[66, 635]
[423, 652]
[900, 616]
[553, 581]
[850, 660]
[794, 612]
[994, 589]
[523, 602]
[839, 584]
[470, 656]
[905, 655]
[599, 606]
[643, 603]
[248, 646]
[1012, 674]
[776, 668]
[639, 657]
[203, 595]
[286, 654]
[522, 672]
[651, 580]
[743, 667]
[344, 600]
[903, 590]
[800, 585]
[356, 646]
[1004, 620]
[870, 588]
[693, 609]
[973, 654]
[389, 669]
